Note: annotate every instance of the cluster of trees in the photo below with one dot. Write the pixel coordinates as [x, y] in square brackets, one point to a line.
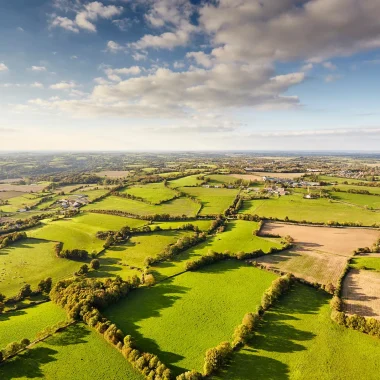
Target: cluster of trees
[234, 208]
[190, 375]
[11, 238]
[216, 357]
[353, 191]
[74, 254]
[217, 224]
[181, 245]
[278, 287]
[13, 348]
[155, 217]
[250, 217]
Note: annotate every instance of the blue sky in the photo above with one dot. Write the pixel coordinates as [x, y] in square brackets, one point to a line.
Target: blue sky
[190, 75]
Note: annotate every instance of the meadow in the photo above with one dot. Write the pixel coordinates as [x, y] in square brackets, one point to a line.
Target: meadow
[366, 263]
[76, 353]
[297, 340]
[26, 323]
[321, 210]
[214, 201]
[176, 207]
[214, 300]
[188, 181]
[202, 224]
[361, 200]
[152, 192]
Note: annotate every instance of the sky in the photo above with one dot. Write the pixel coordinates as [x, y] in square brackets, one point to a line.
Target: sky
[190, 75]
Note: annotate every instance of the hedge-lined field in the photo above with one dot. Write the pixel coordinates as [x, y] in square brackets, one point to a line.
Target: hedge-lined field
[176, 207]
[179, 319]
[152, 192]
[298, 341]
[190, 180]
[358, 199]
[76, 353]
[203, 225]
[367, 263]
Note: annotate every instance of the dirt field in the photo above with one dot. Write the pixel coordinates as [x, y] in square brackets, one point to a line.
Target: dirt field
[361, 293]
[10, 194]
[259, 175]
[113, 174]
[320, 253]
[23, 188]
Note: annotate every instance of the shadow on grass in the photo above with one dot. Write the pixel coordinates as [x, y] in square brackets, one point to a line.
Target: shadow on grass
[75, 334]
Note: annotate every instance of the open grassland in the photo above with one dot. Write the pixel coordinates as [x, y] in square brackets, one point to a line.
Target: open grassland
[214, 201]
[361, 293]
[179, 319]
[362, 200]
[91, 194]
[320, 254]
[152, 192]
[202, 224]
[298, 340]
[76, 353]
[236, 238]
[321, 210]
[190, 180]
[176, 207]
[366, 262]
[217, 179]
[17, 203]
[30, 261]
[114, 174]
[339, 180]
[258, 176]
[26, 323]
[371, 189]
[168, 174]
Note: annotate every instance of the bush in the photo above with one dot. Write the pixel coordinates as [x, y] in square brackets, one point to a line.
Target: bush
[216, 357]
[95, 264]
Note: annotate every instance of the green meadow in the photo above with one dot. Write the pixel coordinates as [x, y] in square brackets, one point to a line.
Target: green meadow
[368, 263]
[202, 224]
[298, 340]
[362, 200]
[176, 207]
[180, 318]
[190, 180]
[152, 192]
[26, 323]
[76, 353]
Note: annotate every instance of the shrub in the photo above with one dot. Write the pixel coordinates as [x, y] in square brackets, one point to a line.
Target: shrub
[95, 264]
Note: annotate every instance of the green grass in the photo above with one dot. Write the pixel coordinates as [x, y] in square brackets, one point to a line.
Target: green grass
[26, 323]
[176, 207]
[321, 210]
[221, 179]
[361, 200]
[190, 180]
[374, 190]
[369, 263]
[298, 340]
[76, 353]
[339, 180]
[179, 319]
[30, 261]
[203, 225]
[214, 201]
[152, 192]
[17, 203]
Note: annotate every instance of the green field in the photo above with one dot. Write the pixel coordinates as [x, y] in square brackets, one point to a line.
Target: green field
[361, 200]
[26, 323]
[30, 261]
[190, 180]
[298, 341]
[216, 179]
[152, 192]
[203, 225]
[76, 353]
[176, 207]
[371, 189]
[321, 210]
[214, 201]
[20, 202]
[369, 263]
[339, 180]
[180, 318]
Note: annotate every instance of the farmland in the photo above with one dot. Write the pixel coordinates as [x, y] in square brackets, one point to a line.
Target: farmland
[155, 316]
[189, 181]
[154, 193]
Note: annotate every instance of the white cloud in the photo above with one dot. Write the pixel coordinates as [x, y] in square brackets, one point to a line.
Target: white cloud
[38, 68]
[73, 57]
[332, 78]
[125, 23]
[113, 74]
[114, 47]
[37, 85]
[329, 66]
[178, 65]
[201, 58]
[20, 29]
[86, 16]
[63, 85]
[3, 67]
[139, 56]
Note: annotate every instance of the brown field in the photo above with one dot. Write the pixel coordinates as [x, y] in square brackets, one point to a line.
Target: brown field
[258, 176]
[10, 180]
[113, 173]
[24, 188]
[320, 253]
[361, 293]
[10, 194]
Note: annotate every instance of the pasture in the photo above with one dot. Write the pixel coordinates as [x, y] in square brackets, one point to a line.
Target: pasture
[26, 323]
[362, 200]
[214, 201]
[361, 293]
[202, 224]
[176, 207]
[321, 210]
[76, 353]
[152, 192]
[366, 262]
[297, 340]
[213, 299]
[30, 261]
[188, 181]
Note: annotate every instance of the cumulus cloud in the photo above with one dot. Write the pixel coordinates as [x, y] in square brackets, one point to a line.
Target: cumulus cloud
[3, 67]
[63, 85]
[37, 85]
[114, 47]
[113, 74]
[201, 58]
[37, 68]
[86, 16]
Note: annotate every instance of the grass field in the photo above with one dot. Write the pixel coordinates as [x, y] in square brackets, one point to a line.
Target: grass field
[19, 202]
[30, 261]
[367, 263]
[28, 322]
[214, 201]
[295, 207]
[190, 180]
[203, 225]
[216, 179]
[298, 341]
[76, 353]
[180, 318]
[361, 200]
[152, 192]
[176, 207]
[374, 190]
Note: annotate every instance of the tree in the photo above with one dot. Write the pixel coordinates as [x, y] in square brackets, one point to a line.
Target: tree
[24, 292]
[83, 270]
[95, 264]
[44, 286]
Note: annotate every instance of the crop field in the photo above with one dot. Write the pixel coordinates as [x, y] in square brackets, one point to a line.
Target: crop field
[361, 293]
[214, 300]
[298, 340]
[152, 192]
[362, 200]
[366, 262]
[188, 181]
[114, 174]
[30, 261]
[9, 194]
[321, 210]
[51, 359]
[36, 187]
[214, 201]
[176, 207]
[28, 322]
